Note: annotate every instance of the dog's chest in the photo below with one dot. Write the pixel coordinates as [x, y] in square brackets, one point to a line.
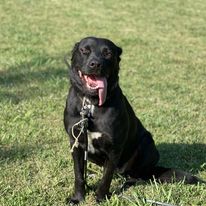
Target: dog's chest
[92, 137]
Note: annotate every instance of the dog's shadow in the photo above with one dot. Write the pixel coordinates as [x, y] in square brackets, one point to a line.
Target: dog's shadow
[189, 157]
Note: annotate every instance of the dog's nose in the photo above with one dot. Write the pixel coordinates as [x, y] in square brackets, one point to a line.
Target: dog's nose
[94, 64]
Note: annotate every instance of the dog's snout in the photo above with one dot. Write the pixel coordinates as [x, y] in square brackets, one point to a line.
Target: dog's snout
[94, 64]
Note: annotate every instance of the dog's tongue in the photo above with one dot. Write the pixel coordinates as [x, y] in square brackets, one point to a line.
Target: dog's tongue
[99, 83]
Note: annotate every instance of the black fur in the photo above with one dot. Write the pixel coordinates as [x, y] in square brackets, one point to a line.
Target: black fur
[125, 146]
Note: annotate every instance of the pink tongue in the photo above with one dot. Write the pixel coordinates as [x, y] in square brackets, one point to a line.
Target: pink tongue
[99, 83]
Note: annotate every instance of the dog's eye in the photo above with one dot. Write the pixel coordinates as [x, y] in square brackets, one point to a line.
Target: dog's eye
[107, 54]
[85, 50]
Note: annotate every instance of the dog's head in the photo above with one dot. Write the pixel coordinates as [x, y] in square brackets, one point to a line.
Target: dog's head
[95, 67]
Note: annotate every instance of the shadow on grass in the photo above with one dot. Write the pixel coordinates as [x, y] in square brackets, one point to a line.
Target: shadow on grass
[26, 80]
[12, 153]
[16, 152]
[189, 157]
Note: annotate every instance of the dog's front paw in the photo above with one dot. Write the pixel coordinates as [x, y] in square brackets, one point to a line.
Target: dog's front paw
[74, 200]
[101, 197]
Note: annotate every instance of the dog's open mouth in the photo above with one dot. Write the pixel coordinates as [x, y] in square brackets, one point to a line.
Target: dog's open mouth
[98, 84]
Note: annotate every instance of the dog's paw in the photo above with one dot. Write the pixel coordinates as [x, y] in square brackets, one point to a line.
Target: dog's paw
[102, 197]
[74, 200]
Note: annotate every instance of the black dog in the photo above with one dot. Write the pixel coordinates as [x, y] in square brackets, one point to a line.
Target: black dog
[117, 140]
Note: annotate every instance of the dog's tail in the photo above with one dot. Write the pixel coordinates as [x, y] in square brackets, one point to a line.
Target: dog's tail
[169, 175]
[163, 175]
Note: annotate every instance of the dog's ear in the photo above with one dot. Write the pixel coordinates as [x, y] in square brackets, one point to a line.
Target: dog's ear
[74, 50]
[119, 52]
[66, 57]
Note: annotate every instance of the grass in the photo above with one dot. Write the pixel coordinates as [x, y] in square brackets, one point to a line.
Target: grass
[163, 72]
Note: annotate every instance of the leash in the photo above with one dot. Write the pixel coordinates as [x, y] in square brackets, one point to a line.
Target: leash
[86, 112]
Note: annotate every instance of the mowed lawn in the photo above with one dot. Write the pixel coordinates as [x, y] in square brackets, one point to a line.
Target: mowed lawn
[163, 74]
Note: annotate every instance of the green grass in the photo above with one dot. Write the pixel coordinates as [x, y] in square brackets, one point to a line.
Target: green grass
[163, 74]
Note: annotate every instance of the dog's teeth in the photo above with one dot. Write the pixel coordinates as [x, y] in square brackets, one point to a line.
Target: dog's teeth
[80, 73]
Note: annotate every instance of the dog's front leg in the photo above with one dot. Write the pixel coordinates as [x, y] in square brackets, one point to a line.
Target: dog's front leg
[79, 184]
[103, 188]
